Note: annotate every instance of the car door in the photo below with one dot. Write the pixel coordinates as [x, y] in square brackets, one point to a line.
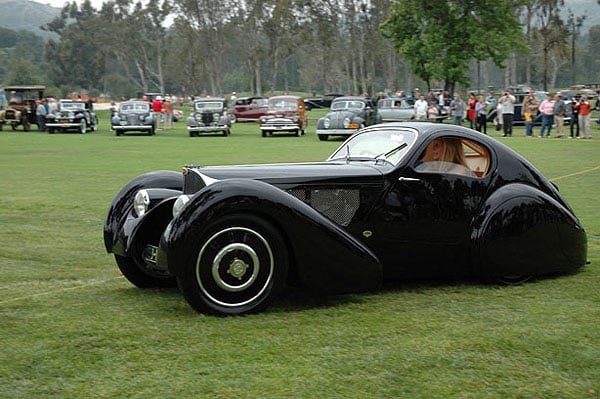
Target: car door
[425, 218]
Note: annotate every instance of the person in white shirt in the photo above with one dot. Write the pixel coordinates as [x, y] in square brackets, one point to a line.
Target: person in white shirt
[421, 108]
[507, 104]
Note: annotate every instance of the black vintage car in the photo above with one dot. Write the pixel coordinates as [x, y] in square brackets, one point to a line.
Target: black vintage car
[209, 116]
[133, 116]
[388, 204]
[346, 116]
[72, 115]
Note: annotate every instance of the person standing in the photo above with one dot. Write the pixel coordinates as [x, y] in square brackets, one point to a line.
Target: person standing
[471, 114]
[585, 108]
[458, 108]
[481, 115]
[168, 112]
[40, 114]
[157, 106]
[559, 115]
[574, 121]
[507, 105]
[420, 108]
[546, 109]
[529, 111]
[432, 111]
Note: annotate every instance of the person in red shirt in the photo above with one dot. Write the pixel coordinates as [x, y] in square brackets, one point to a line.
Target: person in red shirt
[157, 106]
[471, 114]
[585, 110]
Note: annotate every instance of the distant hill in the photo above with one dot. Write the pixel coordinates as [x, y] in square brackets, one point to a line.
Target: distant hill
[27, 15]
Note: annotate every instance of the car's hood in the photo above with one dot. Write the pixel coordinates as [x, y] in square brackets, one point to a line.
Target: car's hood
[290, 175]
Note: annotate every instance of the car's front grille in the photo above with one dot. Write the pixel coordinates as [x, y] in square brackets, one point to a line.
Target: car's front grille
[339, 205]
[207, 118]
[133, 119]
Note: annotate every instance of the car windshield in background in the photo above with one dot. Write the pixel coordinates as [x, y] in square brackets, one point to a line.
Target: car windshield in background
[72, 106]
[391, 145]
[283, 104]
[341, 105]
[140, 107]
[204, 106]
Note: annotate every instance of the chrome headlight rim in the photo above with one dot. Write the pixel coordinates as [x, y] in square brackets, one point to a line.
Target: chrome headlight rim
[180, 203]
[141, 202]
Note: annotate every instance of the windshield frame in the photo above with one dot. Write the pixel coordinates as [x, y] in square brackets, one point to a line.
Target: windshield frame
[391, 144]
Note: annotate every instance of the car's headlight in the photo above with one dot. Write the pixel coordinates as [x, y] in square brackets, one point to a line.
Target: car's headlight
[179, 204]
[141, 202]
[326, 123]
[346, 122]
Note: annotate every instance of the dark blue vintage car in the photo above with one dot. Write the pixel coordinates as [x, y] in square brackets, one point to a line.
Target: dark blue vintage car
[395, 201]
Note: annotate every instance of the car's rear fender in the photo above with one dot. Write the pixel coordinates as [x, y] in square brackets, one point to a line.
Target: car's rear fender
[323, 255]
[120, 208]
[524, 231]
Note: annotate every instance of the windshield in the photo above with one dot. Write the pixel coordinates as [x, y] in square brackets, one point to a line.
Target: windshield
[279, 103]
[389, 144]
[71, 106]
[347, 104]
[140, 107]
[208, 105]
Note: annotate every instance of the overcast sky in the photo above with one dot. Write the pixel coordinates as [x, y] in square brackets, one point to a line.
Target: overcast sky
[60, 3]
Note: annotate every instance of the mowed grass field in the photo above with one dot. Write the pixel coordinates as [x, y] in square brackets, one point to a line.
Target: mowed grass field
[72, 327]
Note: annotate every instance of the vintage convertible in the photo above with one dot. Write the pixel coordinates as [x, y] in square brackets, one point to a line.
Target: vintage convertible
[388, 204]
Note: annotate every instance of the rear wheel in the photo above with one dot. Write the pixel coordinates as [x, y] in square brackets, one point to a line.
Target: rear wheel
[238, 265]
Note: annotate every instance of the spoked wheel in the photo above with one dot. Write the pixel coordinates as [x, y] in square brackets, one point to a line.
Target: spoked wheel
[144, 275]
[238, 266]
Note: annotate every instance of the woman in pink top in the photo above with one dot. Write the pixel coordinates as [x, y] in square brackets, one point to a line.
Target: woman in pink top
[547, 113]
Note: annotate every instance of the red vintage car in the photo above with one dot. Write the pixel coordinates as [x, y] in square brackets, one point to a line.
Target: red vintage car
[248, 109]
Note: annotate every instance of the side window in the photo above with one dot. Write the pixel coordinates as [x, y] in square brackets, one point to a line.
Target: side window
[455, 155]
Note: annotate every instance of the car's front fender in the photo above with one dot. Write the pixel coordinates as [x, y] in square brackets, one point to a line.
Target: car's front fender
[324, 256]
[524, 231]
[121, 206]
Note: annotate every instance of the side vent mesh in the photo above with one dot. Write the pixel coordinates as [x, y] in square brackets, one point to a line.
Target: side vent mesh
[339, 205]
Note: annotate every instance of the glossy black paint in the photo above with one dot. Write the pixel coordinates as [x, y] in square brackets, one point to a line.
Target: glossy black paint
[350, 224]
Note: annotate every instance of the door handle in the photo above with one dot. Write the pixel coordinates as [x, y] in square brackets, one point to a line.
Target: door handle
[408, 179]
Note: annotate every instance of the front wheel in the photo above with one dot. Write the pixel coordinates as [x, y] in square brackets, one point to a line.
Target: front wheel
[238, 265]
[323, 137]
[144, 276]
[83, 126]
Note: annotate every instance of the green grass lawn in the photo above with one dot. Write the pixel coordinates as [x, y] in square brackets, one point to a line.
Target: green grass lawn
[72, 327]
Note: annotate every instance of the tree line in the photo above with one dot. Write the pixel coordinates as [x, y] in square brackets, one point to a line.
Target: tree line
[205, 47]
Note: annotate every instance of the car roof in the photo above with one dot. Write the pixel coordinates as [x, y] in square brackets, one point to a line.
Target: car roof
[286, 97]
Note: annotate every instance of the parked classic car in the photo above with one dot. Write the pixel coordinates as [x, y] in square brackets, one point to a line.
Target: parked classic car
[395, 109]
[384, 206]
[21, 106]
[347, 115]
[285, 114]
[209, 116]
[320, 102]
[72, 115]
[133, 116]
[248, 109]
